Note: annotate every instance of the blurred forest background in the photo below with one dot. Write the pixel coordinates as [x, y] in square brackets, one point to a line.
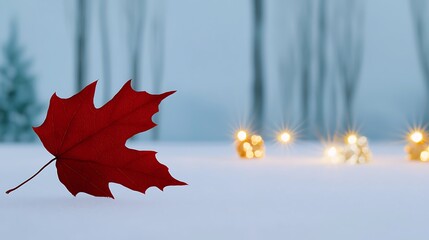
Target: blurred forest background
[317, 65]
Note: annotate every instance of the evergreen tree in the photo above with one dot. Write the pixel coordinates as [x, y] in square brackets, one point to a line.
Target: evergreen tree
[18, 100]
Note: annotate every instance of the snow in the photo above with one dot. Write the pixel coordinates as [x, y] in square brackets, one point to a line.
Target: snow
[291, 194]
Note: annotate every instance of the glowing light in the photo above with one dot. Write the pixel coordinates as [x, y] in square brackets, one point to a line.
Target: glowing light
[248, 145]
[249, 154]
[259, 153]
[256, 139]
[354, 150]
[416, 136]
[285, 137]
[416, 148]
[424, 156]
[352, 139]
[241, 135]
[332, 152]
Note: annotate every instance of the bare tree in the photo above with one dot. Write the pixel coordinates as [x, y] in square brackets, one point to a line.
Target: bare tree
[287, 58]
[105, 48]
[257, 111]
[81, 43]
[348, 47]
[287, 77]
[321, 65]
[304, 41]
[135, 12]
[420, 10]
[158, 39]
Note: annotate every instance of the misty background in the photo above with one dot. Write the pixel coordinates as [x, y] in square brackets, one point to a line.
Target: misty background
[319, 65]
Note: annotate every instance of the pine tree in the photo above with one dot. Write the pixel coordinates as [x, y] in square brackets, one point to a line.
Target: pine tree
[18, 100]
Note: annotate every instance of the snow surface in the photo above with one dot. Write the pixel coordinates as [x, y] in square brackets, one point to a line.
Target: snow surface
[291, 194]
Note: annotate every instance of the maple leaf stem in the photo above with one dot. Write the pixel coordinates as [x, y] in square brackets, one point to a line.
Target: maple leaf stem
[41, 169]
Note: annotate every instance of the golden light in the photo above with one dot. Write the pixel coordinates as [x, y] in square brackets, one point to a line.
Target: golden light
[284, 137]
[352, 138]
[332, 152]
[424, 156]
[249, 145]
[259, 153]
[416, 147]
[249, 154]
[353, 150]
[241, 135]
[256, 139]
[416, 136]
[356, 150]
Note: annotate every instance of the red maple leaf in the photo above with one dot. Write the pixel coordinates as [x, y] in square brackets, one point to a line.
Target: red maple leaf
[89, 143]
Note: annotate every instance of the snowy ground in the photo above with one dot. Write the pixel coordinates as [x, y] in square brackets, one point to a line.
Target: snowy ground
[288, 195]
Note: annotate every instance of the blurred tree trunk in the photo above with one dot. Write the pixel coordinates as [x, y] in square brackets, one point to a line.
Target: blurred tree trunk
[81, 40]
[321, 80]
[286, 61]
[105, 48]
[304, 40]
[419, 13]
[287, 77]
[348, 46]
[158, 40]
[257, 111]
[135, 16]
